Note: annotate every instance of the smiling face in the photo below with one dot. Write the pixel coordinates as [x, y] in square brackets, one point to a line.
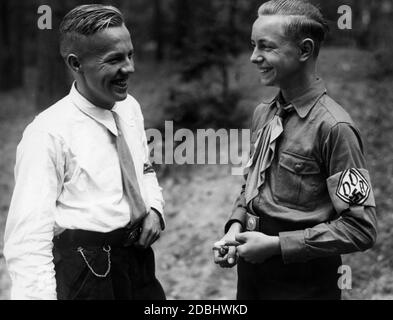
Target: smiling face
[105, 66]
[276, 56]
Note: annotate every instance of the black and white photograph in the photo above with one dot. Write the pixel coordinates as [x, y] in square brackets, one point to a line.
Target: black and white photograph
[208, 150]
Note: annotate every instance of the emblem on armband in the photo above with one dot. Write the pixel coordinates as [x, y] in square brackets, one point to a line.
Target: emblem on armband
[353, 187]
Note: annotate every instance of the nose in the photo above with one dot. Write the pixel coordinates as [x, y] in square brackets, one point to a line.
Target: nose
[256, 57]
[128, 66]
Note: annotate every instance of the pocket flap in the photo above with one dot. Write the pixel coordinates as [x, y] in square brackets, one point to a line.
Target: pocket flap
[299, 164]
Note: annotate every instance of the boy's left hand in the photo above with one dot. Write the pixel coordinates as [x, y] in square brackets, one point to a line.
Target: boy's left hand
[256, 247]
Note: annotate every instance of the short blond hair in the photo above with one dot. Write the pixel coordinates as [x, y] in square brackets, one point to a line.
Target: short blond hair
[86, 20]
[307, 20]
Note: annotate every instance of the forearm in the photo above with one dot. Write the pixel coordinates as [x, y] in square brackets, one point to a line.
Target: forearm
[354, 231]
[156, 199]
[30, 222]
[238, 213]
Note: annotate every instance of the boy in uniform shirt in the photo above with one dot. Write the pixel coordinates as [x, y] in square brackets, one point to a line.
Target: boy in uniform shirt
[307, 198]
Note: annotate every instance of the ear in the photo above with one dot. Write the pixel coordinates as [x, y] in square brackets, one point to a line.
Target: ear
[307, 47]
[73, 63]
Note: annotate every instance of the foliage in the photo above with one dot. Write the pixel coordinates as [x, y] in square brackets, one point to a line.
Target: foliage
[384, 49]
[201, 105]
[383, 57]
[207, 41]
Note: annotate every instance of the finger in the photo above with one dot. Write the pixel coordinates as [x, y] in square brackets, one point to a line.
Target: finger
[240, 250]
[220, 260]
[224, 264]
[157, 236]
[217, 256]
[232, 243]
[231, 256]
[148, 241]
[153, 236]
[143, 237]
[219, 244]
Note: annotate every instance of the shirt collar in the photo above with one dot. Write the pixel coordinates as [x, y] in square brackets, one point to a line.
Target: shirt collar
[100, 115]
[306, 99]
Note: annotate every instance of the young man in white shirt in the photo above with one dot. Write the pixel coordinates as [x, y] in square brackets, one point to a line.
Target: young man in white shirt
[87, 206]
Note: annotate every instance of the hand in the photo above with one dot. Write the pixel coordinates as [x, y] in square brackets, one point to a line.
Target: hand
[151, 229]
[256, 247]
[229, 259]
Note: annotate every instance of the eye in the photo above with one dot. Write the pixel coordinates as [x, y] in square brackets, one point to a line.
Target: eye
[265, 47]
[113, 60]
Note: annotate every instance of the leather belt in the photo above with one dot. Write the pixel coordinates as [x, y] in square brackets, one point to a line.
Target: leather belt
[122, 237]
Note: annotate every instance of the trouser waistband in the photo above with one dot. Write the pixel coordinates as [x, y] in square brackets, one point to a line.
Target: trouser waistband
[122, 237]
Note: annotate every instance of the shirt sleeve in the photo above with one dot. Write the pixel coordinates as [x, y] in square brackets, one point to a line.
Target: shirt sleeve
[240, 206]
[30, 222]
[150, 181]
[238, 212]
[350, 190]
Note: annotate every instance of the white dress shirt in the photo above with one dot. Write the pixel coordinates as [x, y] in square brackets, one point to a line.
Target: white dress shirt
[68, 176]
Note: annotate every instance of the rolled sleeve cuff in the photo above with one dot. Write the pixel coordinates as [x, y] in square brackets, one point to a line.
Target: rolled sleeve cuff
[238, 215]
[293, 246]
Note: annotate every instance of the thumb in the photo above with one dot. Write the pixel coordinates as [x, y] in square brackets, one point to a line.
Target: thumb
[241, 237]
[231, 255]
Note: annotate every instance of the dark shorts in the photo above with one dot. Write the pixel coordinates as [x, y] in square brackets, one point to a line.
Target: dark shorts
[131, 273]
[316, 279]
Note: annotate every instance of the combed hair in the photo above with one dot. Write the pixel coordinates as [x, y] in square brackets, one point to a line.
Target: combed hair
[306, 20]
[86, 20]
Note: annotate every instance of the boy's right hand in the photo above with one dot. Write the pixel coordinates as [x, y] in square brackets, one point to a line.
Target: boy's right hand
[227, 259]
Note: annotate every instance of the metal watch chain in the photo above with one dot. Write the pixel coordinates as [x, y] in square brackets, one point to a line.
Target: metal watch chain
[108, 251]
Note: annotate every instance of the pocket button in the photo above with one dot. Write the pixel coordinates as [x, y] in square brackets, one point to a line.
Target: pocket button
[298, 166]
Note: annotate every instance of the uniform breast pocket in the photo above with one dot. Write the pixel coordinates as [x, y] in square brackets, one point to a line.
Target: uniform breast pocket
[298, 181]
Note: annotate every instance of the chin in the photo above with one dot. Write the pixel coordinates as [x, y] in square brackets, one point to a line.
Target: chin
[267, 83]
[120, 96]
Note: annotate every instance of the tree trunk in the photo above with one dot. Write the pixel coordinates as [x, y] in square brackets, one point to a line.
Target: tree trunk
[369, 16]
[53, 80]
[158, 21]
[11, 44]
[231, 47]
[183, 25]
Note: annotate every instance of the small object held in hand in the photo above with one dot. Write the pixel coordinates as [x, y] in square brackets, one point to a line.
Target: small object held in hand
[223, 246]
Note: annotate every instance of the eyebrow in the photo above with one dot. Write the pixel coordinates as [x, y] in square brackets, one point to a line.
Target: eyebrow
[114, 54]
[263, 42]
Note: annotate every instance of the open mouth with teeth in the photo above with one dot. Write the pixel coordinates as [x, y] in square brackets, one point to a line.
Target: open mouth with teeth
[121, 83]
[265, 70]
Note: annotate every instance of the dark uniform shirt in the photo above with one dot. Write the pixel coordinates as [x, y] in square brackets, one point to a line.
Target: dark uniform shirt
[317, 196]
